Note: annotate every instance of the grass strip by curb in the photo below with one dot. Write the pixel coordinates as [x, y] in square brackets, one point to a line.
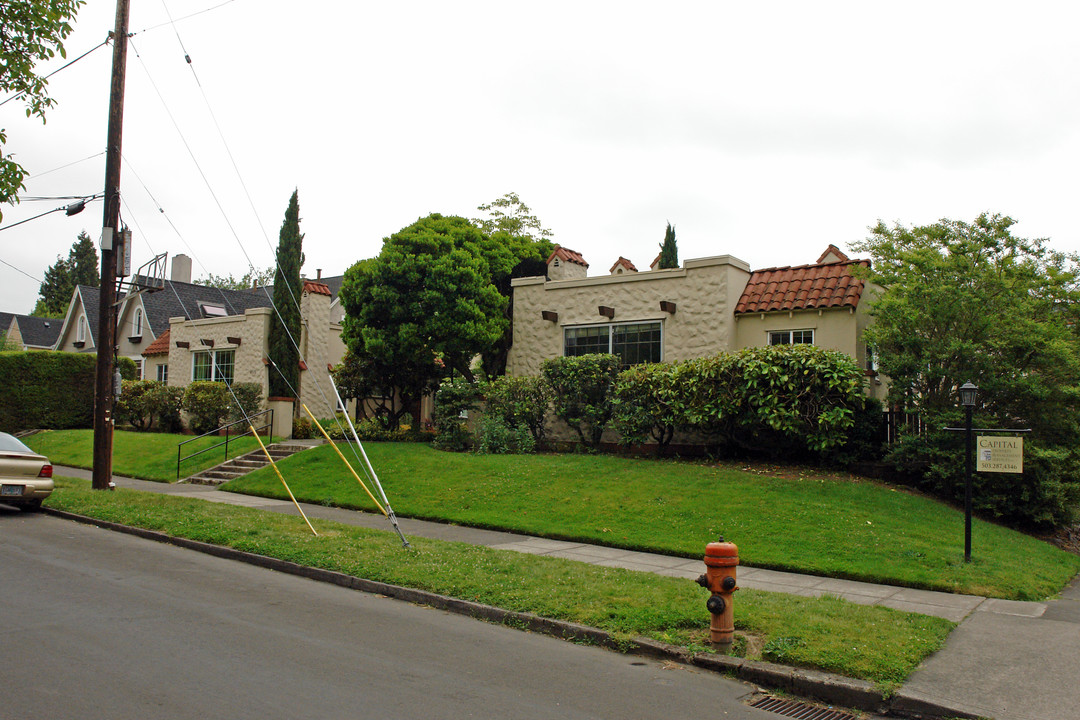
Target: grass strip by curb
[875, 644]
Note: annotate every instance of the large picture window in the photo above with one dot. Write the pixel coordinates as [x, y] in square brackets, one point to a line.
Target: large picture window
[216, 366]
[633, 342]
[791, 337]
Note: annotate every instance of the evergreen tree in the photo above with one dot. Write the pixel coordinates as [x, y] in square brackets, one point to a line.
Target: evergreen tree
[285, 328]
[669, 252]
[83, 262]
[80, 268]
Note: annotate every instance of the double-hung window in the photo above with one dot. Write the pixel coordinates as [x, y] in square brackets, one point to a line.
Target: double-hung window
[791, 337]
[214, 365]
[633, 342]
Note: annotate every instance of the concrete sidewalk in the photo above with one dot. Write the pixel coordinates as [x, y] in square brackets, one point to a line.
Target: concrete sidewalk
[1007, 660]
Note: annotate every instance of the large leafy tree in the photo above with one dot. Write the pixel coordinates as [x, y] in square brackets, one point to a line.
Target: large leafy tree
[31, 31]
[79, 268]
[285, 326]
[973, 302]
[428, 294]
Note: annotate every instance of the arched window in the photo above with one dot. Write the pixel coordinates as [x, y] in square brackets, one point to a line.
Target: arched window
[80, 329]
[137, 323]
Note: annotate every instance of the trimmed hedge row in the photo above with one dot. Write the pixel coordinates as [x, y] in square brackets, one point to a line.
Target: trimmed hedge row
[51, 390]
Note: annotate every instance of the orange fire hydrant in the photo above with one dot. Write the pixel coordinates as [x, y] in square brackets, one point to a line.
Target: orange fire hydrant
[721, 559]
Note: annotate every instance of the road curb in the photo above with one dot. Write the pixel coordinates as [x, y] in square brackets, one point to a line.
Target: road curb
[823, 686]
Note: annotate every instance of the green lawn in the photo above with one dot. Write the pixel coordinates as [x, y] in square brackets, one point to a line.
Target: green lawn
[877, 644]
[149, 456]
[805, 522]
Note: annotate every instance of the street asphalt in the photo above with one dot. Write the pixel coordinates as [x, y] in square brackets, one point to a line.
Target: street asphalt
[1006, 660]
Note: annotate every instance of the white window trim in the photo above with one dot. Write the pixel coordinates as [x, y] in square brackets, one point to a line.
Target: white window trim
[137, 323]
[611, 333]
[80, 329]
[769, 335]
[213, 363]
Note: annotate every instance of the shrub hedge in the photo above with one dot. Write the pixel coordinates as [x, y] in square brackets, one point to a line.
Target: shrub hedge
[50, 390]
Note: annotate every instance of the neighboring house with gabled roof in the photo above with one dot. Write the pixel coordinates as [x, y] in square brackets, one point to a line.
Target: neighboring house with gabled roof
[32, 333]
[707, 306]
[80, 324]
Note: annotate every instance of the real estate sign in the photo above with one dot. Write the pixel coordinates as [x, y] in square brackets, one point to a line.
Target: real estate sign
[1000, 454]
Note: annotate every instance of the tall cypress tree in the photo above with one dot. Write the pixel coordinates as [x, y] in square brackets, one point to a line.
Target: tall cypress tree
[669, 253]
[285, 379]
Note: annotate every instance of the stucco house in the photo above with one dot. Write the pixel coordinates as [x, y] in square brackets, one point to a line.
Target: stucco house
[707, 306]
[80, 324]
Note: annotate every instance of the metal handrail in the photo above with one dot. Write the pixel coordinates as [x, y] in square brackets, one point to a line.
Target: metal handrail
[249, 423]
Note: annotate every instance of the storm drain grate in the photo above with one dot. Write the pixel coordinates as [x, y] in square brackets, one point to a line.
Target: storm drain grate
[799, 710]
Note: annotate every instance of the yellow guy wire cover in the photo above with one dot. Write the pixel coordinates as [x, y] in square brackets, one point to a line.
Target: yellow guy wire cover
[319, 425]
[282, 479]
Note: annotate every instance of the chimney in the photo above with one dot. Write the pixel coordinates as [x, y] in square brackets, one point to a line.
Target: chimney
[318, 273]
[181, 269]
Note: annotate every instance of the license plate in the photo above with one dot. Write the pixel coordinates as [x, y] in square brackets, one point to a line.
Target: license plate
[11, 490]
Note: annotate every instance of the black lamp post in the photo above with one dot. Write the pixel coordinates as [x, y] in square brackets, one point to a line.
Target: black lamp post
[968, 393]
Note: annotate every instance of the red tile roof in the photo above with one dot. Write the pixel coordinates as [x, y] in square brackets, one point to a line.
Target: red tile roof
[804, 287]
[567, 255]
[310, 286]
[160, 346]
[624, 263]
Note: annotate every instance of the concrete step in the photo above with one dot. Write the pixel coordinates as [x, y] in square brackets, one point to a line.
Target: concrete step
[243, 464]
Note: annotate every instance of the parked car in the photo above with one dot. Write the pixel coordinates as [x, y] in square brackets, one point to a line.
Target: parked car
[25, 476]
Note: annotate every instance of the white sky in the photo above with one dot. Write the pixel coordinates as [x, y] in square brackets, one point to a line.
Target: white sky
[762, 130]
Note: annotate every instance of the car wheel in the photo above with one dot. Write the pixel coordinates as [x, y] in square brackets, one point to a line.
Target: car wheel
[32, 506]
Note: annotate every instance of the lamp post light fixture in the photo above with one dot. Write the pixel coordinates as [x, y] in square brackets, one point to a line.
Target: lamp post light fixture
[968, 393]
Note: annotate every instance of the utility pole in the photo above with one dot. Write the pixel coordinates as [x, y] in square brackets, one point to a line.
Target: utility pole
[111, 240]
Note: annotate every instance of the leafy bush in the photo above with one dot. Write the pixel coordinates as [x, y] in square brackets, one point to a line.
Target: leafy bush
[582, 394]
[163, 403]
[1043, 496]
[131, 405]
[520, 402]
[495, 437]
[453, 400]
[779, 400]
[644, 407]
[250, 398]
[207, 405]
[302, 428]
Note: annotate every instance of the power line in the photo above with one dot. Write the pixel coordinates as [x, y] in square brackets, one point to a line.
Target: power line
[186, 17]
[62, 67]
[34, 176]
[35, 279]
[71, 210]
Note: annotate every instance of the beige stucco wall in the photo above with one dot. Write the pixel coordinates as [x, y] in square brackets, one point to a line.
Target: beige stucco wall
[704, 291]
[129, 344]
[253, 330]
[151, 365]
[69, 333]
[321, 346]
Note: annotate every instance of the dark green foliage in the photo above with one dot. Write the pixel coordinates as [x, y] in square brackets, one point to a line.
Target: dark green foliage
[285, 330]
[582, 392]
[252, 278]
[80, 268]
[389, 389]
[207, 405]
[669, 251]
[519, 402]
[780, 401]
[495, 437]
[865, 438]
[250, 397]
[971, 302]
[46, 390]
[148, 404]
[644, 411]
[32, 32]
[131, 405]
[455, 398]
[303, 428]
